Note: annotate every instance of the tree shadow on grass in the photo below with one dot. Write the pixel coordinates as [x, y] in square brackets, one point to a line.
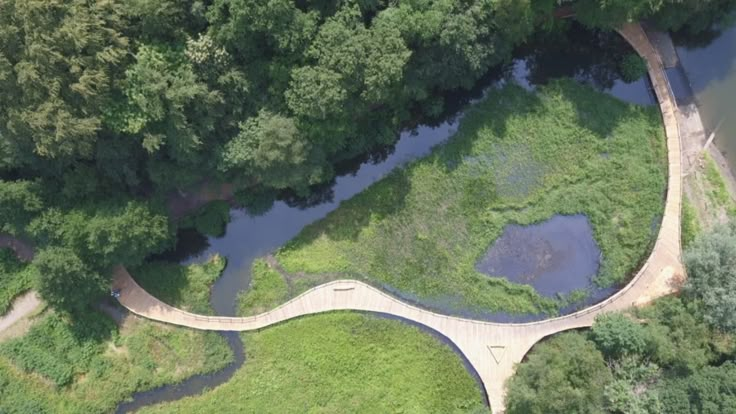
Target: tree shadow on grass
[382, 199]
[91, 326]
[492, 114]
[598, 113]
[165, 281]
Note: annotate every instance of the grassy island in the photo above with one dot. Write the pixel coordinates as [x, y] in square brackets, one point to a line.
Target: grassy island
[518, 157]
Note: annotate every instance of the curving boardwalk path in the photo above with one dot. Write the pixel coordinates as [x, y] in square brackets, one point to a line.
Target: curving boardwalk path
[492, 348]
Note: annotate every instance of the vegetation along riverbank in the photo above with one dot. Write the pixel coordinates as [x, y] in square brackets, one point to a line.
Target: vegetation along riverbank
[92, 362]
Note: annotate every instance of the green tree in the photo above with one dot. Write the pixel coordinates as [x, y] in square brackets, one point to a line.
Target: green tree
[166, 104]
[65, 281]
[711, 390]
[271, 148]
[211, 219]
[696, 15]
[565, 374]
[255, 28]
[617, 335]
[710, 263]
[58, 62]
[633, 67]
[316, 92]
[678, 340]
[20, 201]
[164, 20]
[611, 14]
[105, 235]
[633, 390]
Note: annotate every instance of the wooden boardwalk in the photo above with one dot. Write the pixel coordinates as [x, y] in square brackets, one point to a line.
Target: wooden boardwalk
[493, 349]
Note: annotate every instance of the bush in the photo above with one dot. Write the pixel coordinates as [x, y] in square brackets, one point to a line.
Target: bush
[690, 224]
[256, 201]
[212, 219]
[633, 67]
[268, 289]
[15, 278]
[58, 349]
[710, 262]
[617, 335]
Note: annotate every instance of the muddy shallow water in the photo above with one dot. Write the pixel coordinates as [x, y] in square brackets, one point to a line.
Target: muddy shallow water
[556, 256]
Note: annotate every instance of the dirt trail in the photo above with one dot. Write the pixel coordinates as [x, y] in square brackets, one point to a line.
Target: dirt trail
[23, 306]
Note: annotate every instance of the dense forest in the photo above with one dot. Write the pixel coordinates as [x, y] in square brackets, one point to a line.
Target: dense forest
[107, 108]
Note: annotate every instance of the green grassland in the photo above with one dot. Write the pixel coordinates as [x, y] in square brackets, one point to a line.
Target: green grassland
[518, 157]
[337, 363]
[90, 364]
[267, 290]
[717, 190]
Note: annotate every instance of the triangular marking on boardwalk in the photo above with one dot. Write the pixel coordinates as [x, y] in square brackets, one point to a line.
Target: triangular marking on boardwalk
[497, 352]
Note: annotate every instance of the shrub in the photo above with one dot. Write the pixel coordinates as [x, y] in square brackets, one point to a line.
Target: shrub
[617, 335]
[633, 67]
[710, 262]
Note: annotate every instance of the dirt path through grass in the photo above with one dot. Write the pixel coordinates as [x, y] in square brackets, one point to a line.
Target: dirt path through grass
[23, 306]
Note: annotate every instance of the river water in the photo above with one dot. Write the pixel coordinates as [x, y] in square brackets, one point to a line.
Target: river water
[590, 58]
[709, 62]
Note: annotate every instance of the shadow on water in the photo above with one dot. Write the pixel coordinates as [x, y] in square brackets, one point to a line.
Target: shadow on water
[588, 57]
[592, 58]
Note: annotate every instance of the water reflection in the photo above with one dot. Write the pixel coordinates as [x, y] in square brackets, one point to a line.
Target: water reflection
[710, 65]
[592, 58]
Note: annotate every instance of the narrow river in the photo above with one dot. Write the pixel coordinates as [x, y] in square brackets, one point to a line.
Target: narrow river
[590, 58]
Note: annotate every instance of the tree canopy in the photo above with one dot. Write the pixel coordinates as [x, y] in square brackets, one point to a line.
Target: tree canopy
[65, 281]
[565, 375]
[663, 358]
[711, 268]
